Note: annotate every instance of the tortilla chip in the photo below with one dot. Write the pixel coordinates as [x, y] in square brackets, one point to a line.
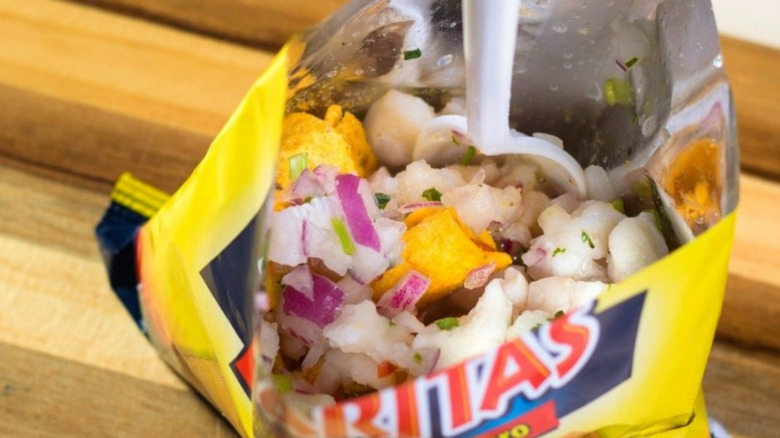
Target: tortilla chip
[442, 248]
[338, 140]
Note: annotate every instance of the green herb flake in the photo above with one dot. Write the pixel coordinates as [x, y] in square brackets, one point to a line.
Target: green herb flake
[341, 231]
[558, 251]
[617, 92]
[298, 163]
[468, 156]
[307, 200]
[448, 323]
[558, 314]
[432, 194]
[381, 200]
[282, 383]
[455, 141]
[587, 239]
[631, 62]
[391, 323]
[618, 205]
[417, 358]
[412, 54]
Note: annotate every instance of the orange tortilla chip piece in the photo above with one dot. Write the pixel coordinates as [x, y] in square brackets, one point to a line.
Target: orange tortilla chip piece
[338, 140]
[418, 215]
[443, 249]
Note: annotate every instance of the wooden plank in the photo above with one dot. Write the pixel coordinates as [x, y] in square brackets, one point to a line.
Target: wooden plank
[95, 93]
[751, 309]
[741, 388]
[754, 72]
[47, 396]
[259, 23]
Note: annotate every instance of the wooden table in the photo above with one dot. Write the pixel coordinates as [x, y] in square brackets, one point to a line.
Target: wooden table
[90, 88]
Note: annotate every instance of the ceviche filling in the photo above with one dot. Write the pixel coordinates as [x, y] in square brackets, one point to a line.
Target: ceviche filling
[377, 275]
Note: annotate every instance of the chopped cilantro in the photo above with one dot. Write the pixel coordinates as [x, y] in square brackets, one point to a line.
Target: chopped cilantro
[412, 54]
[631, 62]
[381, 200]
[432, 194]
[587, 239]
[448, 323]
[417, 358]
[298, 163]
[558, 251]
[558, 314]
[468, 156]
[341, 231]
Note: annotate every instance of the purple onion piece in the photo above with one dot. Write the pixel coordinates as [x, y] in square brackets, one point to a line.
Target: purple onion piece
[408, 208]
[358, 220]
[327, 301]
[404, 296]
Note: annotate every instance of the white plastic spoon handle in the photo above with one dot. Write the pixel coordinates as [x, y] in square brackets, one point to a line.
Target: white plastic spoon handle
[490, 33]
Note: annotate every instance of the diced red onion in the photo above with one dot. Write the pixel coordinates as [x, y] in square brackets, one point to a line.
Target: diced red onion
[307, 186]
[327, 177]
[300, 279]
[305, 238]
[412, 206]
[300, 329]
[390, 233]
[361, 227]
[356, 291]
[534, 256]
[286, 227]
[315, 353]
[428, 358]
[404, 295]
[367, 264]
[408, 321]
[262, 303]
[322, 309]
[479, 276]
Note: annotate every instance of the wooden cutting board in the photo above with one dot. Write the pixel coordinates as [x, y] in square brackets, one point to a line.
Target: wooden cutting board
[91, 88]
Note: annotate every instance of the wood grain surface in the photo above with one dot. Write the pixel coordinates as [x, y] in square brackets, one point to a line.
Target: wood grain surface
[86, 93]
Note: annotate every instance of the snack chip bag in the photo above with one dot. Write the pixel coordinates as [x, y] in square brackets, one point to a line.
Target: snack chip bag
[321, 273]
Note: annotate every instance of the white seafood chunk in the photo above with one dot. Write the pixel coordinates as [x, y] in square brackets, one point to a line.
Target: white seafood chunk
[527, 321]
[478, 205]
[633, 244]
[573, 245]
[525, 227]
[598, 184]
[554, 294]
[339, 368]
[483, 328]
[392, 124]
[360, 329]
[420, 176]
[515, 287]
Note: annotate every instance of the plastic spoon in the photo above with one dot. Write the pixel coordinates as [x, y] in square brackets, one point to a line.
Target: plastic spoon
[490, 33]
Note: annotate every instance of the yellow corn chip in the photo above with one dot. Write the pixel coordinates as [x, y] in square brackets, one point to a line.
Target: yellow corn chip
[441, 247]
[338, 141]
